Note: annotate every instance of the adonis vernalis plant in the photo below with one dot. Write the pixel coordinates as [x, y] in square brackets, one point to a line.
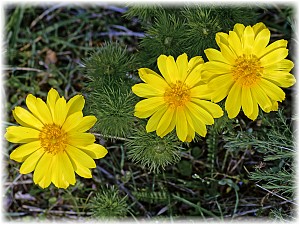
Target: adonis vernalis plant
[248, 71]
[53, 140]
[176, 99]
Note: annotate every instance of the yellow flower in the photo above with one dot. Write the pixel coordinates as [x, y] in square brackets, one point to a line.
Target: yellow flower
[176, 99]
[248, 71]
[53, 142]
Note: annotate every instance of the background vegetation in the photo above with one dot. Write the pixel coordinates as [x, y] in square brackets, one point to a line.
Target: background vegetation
[242, 169]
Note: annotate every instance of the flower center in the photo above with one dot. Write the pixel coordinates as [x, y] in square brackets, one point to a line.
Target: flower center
[53, 138]
[177, 94]
[247, 70]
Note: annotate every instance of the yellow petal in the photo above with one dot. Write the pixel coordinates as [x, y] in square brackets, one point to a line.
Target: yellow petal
[239, 29]
[144, 71]
[261, 98]
[156, 82]
[163, 67]
[150, 103]
[234, 43]
[60, 111]
[172, 69]
[52, 97]
[273, 91]
[182, 65]
[44, 112]
[233, 101]
[75, 104]
[284, 65]
[146, 91]
[57, 175]
[43, 168]
[274, 57]
[181, 124]
[198, 125]
[72, 121]
[30, 162]
[214, 109]
[21, 152]
[68, 169]
[155, 118]
[261, 41]
[228, 54]
[27, 118]
[86, 123]
[195, 62]
[248, 40]
[222, 38]
[217, 67]
[257, 28]
[220, 93]
[280, 44]
[247, 102]
[200, 112]
[80, 157]
[18, 134]
[80, 139]
[215, 55]
[201, 91]
[165, 121]
[194, 77]
[170, 127]
[254, 113]
[281, 79]
[95, 151]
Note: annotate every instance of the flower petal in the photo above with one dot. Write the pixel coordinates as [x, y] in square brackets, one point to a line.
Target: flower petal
[75, 104]
[273, 91]
[43, 168]
[214, 109]
[233, 101]
[52, 97]
[165, 121]
[80, 139]
[27, 118]
[155, 118]
[86, 123]
[95, 151]
[60, 111]
[247, 102]
[280, 44]
[182, 65]
[150, 103]
[80, 157]
[261, 41]
[261, 98]
[147, 91]
[18, 134]
[280, 78]
[172, 69]
[30, 162]
[163, 68]
[215, 55]
[181, 124]
[21, 152]
[274, 57]
[72, 121]
[199, 126]
[144, 71]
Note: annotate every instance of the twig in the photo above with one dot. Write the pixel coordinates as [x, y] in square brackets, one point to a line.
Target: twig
[121, 186]
[276, 194]
[112, 137]
[24, 69]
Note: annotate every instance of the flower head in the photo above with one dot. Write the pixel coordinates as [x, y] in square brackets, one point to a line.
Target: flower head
[175, 99]
[248, 71]
[53, 140]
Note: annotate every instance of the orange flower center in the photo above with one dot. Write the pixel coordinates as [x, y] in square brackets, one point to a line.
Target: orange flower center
[247, 70]
[177, 94]
[53, 138]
